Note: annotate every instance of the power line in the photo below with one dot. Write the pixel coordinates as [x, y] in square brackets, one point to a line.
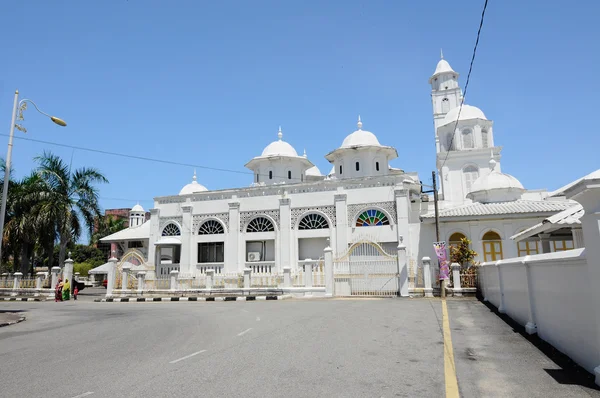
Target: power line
[466, 83]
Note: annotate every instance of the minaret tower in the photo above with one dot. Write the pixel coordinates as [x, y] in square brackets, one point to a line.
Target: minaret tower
[445, 90]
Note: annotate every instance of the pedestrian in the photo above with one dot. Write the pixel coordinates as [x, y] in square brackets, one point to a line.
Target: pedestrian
[75, 291]
[66, 290]
[58, 290]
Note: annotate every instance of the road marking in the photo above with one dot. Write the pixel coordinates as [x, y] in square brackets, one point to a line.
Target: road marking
[188, 356]
[85, 394]
[244, 332]
[449, 367]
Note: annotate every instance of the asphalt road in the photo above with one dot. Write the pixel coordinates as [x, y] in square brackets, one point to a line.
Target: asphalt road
[291, 348]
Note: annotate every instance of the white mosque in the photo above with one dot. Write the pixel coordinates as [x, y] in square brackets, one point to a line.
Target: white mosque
[291, 212]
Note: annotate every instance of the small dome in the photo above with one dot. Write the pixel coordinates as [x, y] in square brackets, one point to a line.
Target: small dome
[496, 187]
[279, 148]
[314, 172]
[137, 208]
[467, 112]
[193, 187]
[360, 138]
[442, 67]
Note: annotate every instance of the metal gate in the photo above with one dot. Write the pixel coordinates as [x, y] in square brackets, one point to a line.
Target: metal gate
[366, 270]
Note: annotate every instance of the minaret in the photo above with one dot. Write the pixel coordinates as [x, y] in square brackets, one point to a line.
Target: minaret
[446, 93]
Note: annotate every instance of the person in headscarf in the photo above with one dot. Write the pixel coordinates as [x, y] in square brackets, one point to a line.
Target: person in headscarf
[66, 290]
[58, 290]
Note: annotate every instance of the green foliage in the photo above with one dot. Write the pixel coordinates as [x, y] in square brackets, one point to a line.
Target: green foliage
[462, 253]
[83, 268]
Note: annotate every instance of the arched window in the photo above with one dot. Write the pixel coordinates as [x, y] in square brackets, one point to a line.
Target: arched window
[171, 230]
[211, 227]
[467, 136]
[340, 169]
[445, 105]
[455, 239]
[449, 142]
[484, 139]
[289, 174]
[377, 166]
[492, 246]
[270, 174]
[372, 218]
[313, 221]
[257, 180]
[470, 173]
[357, 166]
[260, 224]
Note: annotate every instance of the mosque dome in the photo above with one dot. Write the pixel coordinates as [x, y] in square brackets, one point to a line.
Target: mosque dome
[137, 208]
[442, 67]
[467, 112]
[314, 172]
[193, 187]
[279, 148]
[496, 187]
[360, 138]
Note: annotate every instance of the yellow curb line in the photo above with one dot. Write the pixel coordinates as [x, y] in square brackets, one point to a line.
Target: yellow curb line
[449, 367]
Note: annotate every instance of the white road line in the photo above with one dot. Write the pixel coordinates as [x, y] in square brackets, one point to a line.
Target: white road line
[244, 332]
[188, 356]
[85, 394]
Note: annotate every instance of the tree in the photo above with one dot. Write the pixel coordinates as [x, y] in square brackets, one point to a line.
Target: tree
[462, 253]
[69, 200]
[106, 225]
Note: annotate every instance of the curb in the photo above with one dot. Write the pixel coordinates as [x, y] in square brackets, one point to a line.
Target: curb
[153, 299]
[21, 299]
[21, 319]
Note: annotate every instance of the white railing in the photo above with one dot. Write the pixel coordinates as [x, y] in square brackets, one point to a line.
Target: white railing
[165, 269]
[217, 267]
[261, 267]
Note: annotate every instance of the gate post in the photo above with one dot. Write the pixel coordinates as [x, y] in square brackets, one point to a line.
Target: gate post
[55, 271]
[308, 282]
[210, 274]
[456, 287]
[17, 281]
[328, 271]
[112, 270]
[141, 275]
[125, 276]
[173, 282]
[402, 269]
[38, 280]
[247, 273]
[287, 279]
[428, 290]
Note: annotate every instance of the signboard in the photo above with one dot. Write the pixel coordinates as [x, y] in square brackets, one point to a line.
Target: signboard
[442, 255]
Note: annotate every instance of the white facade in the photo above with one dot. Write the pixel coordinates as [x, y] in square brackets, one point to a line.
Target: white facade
[291, 212]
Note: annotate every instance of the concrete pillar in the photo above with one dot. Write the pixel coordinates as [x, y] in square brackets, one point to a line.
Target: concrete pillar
[401, 197]
[173, 281]
[210, 275]
[141, 276]
[232, 251]
[111, 277]
[501, 308]
[4, 279]
[402, 269]
[125, 276]
[17, 280]
[68, 271]
[329, 281]
[428, 290]
[287, 277]
[185, 261]
[545, 241]
[308, 276]
[247, 273]
[38, 280]
[530, 326]
[285, 232]
[578, 241]
[155, 234]
[456, 287]
[54, 271]
[341, 219]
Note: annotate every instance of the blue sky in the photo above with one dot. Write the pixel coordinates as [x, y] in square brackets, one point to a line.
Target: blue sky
[208, 83]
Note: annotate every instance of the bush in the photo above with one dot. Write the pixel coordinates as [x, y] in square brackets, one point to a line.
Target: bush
[83, 268]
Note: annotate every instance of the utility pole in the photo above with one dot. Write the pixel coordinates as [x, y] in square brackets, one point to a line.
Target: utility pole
[437, 227]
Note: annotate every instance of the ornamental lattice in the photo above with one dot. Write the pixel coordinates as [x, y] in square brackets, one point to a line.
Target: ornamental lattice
[260, 224]
[163, 221]
[387, 208]
[198, 219]
[313, 221]
[300, 212]
[247, 216]
[211, 227]
[171, 230]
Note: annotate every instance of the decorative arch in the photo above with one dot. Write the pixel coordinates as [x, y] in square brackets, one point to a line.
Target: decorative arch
[313, 220]
[455, 238]
[372, 217]
[211, 226]
[260, 223]
[171, 229]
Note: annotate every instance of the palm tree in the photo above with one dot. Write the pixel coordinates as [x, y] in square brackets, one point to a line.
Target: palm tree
[69, 199]
[106, 225]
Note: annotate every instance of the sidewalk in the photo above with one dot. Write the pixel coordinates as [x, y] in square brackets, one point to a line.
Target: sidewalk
[10, 318]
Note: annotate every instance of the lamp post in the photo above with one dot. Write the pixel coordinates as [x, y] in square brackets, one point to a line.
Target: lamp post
[17, 105]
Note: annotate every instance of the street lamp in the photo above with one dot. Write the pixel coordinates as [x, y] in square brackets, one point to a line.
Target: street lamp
[21, 106]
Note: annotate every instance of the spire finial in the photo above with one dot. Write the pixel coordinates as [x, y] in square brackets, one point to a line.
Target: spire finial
[279, 134]
[304, 152]
[492, 161]
[194, 178]
[359, 124]
[441, 54]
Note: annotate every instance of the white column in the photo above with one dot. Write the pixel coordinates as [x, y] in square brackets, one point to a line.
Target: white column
[54, 271]
[232, 246]
[125, 276]
[428, 290]
[402, 268]
[112, 273]
[329, 281]
[530, 326]
[38, 280]
[68, 270]
[247, 273]
[402, 214]
[578, 241]
[545, 240]
[456, 287]
[287, 278]
[185, 265]
[308, 279]
[341, 220]
[141, 275]
[173, 281]
[285, 233]
[17, 280]
[210, 275]
[154, 236]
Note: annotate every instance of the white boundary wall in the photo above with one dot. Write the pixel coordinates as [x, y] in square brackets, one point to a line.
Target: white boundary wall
[551, 294]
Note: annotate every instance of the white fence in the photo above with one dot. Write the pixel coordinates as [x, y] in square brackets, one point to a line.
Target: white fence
[550, 294]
